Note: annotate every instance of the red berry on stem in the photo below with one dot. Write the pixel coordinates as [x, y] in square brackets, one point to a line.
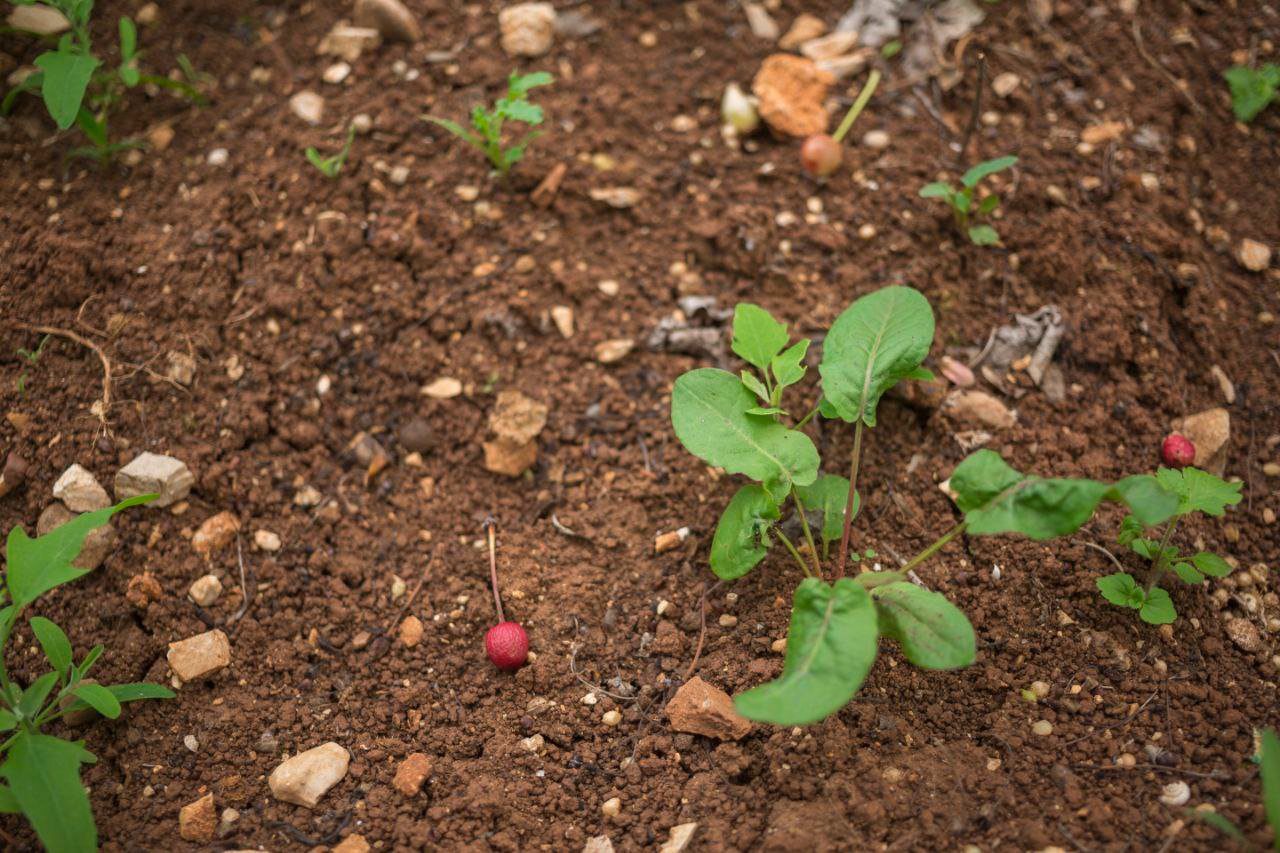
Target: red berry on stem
[1177, 451]
[507, 645]
[821, 155]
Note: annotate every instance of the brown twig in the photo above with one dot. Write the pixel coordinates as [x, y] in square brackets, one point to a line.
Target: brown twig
[975, 113]
[408, 602]
[1151, 60]
[246, 599]
[105, 402]
[702, 633]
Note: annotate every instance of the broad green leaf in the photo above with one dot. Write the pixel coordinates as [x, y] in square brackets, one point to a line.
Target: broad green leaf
[788, 365]
[709, 414]
[1199, 490]
[933, 632]
[1120, 588]
[831, 646]
[66, 76]
[1252, 90]
[996, 498]
[754, 385]
[1187, 573]
[1158, 608]
[757, 337]
[7, 720]
[43, 773]
[741, 539]
[99, 698]
[876, 342]
[57, 648]
[33, 698]
[138, 691]
[983, 235]
[1269, 769]
[982, 170]
[8, 802]
[1211, 564]
[520, 84]
[982, 477]
[937, 189]
[38, 565]
[1150, 503]
[828, 495]
[1150, 549]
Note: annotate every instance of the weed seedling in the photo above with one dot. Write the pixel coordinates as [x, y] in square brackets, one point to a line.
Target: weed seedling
[1252, 89]
[962, 203]
[77, 88]
[41, 772]
[331, 166]
[741, 423]
[32, 358]
[487, 124]
[506, 643]
[1268, 759]
[821, 154]
[1196, 491]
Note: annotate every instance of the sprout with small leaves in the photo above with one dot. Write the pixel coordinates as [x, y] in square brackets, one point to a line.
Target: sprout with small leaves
[487, 124]
[332, 165]
[962, 203]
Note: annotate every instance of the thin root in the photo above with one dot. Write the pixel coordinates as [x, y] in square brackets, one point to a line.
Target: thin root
[104, 405]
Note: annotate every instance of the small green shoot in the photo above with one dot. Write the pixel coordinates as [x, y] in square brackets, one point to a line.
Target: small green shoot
[487, 124]
[1268, 760]
[1194, 491]
[1252, 89]
[32, 358]
[331, 166]
[962, 204]
[40, 773]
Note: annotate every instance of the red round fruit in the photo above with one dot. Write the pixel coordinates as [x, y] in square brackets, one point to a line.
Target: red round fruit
[507, 645]
[821, 155]
[1177, 451]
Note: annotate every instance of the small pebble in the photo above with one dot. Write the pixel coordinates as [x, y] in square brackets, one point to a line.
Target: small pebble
[532, 743]
[1126, 760]
[191, 743]
[611, 718]
[1040, 689]
[876, 140]
[1043, 728]
[218, 157]
[1175, 794]
[611, 807]
[266, 540]
[779, 646]
[728, 620]
[589, 699]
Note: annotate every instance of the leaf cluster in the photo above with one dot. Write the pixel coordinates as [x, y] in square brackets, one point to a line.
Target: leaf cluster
[961, 200]
[486, 124]
[1252, 89]
[40, 772]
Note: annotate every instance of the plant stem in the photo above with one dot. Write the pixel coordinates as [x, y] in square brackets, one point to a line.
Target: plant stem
[808, 534]
[868, 89]
[1160, 565]
[934, 548]
[807, 417]
[491, 525]
[856, 457]
[794, 553]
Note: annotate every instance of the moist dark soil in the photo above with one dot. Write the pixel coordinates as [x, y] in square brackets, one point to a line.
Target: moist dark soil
[277, 281]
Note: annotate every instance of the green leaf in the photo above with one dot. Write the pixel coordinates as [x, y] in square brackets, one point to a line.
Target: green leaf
[920, 374]
[38, 565]
[1150, 503]
[7, 720]
[1211, 564]
[43, 773]
[982, 170]
[1251, 90]
[983, 235]
[1269, 769]
[1187, 573]
[709, 414]
[66, 76]
[757, 337]
[741, 539]
[320, 162]
[521, 111]
[128, 39]
[876, 342]
[1199, 490]
[99, 698]
[831, 646]
[456, 129]
[996, 498]
[8, 802]
[33, 698]
[1158, 608]
[788, 366]
[937, 189]
[933, 632]
[754, 385]
[520, 84]
[57, 648]
[89, 660]
[1130, 530]
[138, 691]
[1121, 589]
[769, 411]
[828, 495]
[989, 204]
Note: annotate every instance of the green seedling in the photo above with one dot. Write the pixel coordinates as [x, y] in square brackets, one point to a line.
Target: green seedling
[32, 358]
[1268, 759]
[331, 166]
[1195, 491]
[78, 88]
[962, 200]
[1252, 89]
[487, 124]
[40, 772]
[741, 423]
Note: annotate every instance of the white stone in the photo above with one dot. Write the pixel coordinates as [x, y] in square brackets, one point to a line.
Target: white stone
[679, 837]
[199, 656]
[615, 350]
[308, 106]
[307, 776]
[1254, 256]
[562, 316]
[876, 140]
[79, 489]
[1005, 84]
[443, 388]
[528, 29]
[266, 540]
[349, 42]
[152, 473]
[205, 590]
[598, 844]
[390, 18]
[39, 19]
[336, 73]
[218, 157]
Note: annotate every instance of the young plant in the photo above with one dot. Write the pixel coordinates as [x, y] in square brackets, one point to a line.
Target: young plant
[1195, 491]
[32, 358]
[1268, 759]
[41, 772]
[506, 643]
[1252, 89]
[77, 88]
[740, 423]
[331, 166]
[962, 202]
[487, 124]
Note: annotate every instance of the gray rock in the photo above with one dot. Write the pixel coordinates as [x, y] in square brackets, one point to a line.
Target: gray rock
[390, 18]
[307, 776]
[152, 473]
[80, 490]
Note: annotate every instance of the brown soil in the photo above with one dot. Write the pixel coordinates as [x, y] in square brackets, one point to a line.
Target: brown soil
[382, 289]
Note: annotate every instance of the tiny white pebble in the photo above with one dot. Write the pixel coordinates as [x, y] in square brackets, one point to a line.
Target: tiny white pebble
[532, 743]
[611, 807]
[1040, 688]
[218, 157]
[191, 743]
[779, 646]
[664, 607]
[728, 620]
[611, 718]
[589, 699]
[1043, 728]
